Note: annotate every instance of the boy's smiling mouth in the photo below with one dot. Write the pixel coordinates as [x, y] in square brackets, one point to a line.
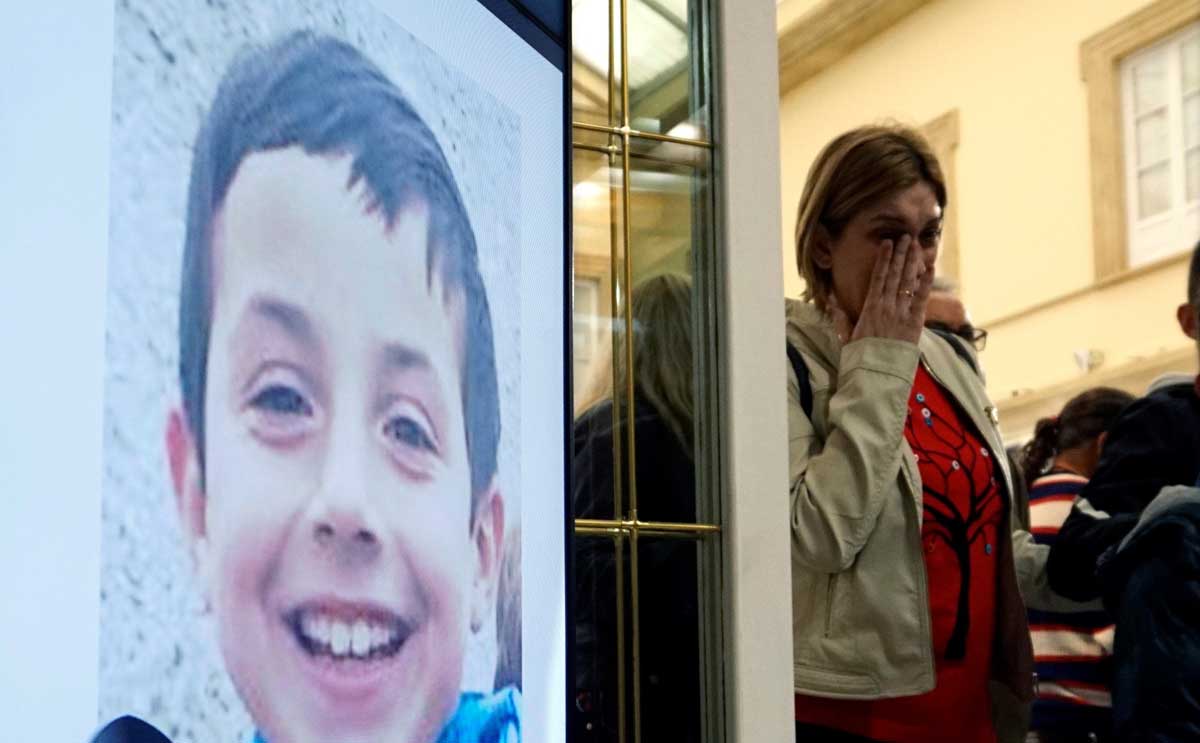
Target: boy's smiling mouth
[347, 632]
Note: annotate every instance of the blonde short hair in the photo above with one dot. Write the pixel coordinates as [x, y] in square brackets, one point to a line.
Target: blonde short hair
[851, 173]
[662, 352]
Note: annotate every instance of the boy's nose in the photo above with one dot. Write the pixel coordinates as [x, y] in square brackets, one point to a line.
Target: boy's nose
[349, 542]
[341, 516]
[324, 533]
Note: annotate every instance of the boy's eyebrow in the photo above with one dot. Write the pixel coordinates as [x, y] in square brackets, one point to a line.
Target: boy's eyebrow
[288, 316]
[294, 321]
[397, 356]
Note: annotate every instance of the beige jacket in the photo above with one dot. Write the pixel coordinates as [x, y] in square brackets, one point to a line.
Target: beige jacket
[861, 623]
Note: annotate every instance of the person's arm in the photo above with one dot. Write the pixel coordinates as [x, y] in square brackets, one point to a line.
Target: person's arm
[838, 487]
[1044, 508]
[1071, 565]
[1030, 558]
[1131, 472]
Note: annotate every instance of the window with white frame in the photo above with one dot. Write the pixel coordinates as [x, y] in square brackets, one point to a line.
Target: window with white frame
[1160, 91]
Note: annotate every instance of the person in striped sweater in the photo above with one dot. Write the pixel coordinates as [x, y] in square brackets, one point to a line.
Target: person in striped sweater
[1072, 650]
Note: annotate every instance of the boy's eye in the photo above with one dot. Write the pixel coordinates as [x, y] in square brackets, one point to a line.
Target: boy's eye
[404, 430]
[931, 237]
[281, 400]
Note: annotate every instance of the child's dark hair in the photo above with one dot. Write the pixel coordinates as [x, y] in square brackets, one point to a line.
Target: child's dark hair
[321, 94]
[1083, 418]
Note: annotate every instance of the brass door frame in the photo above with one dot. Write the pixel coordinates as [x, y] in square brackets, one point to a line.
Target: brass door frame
[621, 135]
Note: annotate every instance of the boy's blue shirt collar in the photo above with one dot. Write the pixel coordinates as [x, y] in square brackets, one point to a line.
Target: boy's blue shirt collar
[485, 719]
[494, 718]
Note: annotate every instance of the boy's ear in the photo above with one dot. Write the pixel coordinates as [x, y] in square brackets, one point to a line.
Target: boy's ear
[487, 538]
[184, 460]
[1186, 313]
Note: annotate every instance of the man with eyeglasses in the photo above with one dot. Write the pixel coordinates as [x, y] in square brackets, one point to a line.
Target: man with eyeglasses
[946, 315]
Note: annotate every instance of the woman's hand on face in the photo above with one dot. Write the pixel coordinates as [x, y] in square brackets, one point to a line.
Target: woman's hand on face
[896, 298]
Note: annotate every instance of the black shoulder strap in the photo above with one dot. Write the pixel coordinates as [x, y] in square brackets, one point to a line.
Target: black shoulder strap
[957, 344]
[801, 371]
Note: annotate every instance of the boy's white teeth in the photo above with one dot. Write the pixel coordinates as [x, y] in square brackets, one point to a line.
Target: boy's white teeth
[380, 635]
[341, 639]
[360, 639]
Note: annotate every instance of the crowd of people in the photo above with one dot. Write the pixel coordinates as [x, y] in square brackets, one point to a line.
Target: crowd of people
[943, 588]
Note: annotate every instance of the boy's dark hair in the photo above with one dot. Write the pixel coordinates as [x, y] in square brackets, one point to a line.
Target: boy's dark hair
[323, 95]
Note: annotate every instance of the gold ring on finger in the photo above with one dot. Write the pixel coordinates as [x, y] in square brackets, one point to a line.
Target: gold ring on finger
[907, 292]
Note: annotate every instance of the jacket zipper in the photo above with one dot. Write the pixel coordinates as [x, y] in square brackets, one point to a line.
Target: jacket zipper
[917, 494]
[926, 615]
[1006, 492]
[829, 591]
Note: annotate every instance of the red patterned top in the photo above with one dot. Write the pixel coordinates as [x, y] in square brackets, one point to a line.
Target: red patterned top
[963, 507]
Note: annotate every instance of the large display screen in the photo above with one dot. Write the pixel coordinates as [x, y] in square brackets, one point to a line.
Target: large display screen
[284, 404]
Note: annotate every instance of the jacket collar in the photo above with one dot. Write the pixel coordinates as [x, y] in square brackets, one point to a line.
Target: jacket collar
[805, 322]
[814, 332]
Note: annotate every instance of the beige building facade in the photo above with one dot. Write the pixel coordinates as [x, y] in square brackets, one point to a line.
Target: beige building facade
[1070, 133]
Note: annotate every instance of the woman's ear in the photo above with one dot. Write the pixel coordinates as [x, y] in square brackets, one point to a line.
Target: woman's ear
[822, 248]
[487, 538]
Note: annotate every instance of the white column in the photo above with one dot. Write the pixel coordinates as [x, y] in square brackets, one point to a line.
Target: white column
[757, 554]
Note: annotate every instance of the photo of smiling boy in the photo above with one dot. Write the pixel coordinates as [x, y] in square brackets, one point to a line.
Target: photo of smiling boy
[334, 455]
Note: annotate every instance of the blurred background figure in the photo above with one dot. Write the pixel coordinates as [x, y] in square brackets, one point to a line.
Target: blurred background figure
[662, 417]
[1105, 546]
[947, 316]
[1153, 444]
[1072, 650]
[1151, 577]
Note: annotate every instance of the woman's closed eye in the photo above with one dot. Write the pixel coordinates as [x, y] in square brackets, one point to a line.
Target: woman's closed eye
[929, 237]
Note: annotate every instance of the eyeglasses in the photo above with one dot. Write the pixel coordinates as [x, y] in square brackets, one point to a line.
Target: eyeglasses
[977, 337]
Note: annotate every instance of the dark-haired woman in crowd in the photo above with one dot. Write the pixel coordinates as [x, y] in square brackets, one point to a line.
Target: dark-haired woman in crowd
[1072, 650]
